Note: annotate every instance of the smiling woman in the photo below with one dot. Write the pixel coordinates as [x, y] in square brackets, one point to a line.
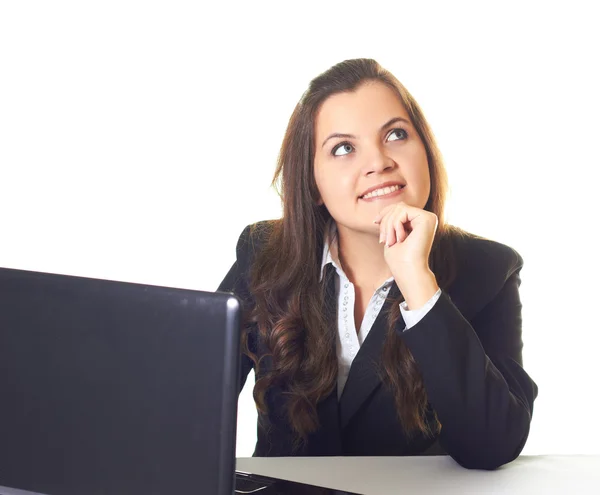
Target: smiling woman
[407, 348]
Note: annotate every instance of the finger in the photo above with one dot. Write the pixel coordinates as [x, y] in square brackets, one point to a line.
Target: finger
[382, 214]
[382, 230]
[401, 230]
[384, 227]
[391, 233]
[390, 239]
[379, 217]
[400, 224]
[392, 236]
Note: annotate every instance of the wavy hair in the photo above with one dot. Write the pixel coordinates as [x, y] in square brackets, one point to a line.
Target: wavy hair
[290, 301]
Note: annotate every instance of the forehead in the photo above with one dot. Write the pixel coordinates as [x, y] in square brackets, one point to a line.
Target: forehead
[364, 110]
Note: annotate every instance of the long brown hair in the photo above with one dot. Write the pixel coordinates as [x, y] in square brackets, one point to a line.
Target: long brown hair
[289, 298]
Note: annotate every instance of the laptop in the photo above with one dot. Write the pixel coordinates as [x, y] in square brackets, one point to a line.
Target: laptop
[119, 388]
[116, 388]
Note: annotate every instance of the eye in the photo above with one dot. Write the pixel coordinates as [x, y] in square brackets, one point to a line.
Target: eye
[345, 147]
[398, 132]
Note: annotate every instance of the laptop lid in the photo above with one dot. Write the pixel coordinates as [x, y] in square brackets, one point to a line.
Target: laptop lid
[116, 388]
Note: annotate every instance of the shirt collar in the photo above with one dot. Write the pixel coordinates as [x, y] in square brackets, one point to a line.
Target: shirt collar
[330, 248]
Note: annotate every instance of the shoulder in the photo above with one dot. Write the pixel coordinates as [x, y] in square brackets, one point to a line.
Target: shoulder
[248, 243]
[483, 268]
[477, 252]
[253, 238]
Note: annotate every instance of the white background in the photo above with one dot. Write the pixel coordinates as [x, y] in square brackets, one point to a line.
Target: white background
[137, 139]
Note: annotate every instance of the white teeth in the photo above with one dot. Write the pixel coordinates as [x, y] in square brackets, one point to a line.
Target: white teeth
[381, 192]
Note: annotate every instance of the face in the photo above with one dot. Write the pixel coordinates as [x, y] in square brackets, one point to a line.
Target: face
[365, 139]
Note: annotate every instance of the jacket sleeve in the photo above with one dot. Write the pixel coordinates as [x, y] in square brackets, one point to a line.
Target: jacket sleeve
[474, 378]
[236, 281]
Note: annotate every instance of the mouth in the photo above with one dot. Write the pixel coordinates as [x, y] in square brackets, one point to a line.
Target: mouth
[383, 193]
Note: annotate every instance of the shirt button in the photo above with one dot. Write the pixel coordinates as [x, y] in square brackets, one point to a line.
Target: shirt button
[385, 289]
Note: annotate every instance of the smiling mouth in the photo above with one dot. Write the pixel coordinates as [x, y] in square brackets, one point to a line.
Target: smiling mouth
[383, 192]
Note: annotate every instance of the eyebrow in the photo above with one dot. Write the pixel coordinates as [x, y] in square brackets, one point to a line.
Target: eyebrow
[352, 136]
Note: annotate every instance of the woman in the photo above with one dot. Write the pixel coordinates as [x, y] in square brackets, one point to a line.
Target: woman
[373, 326]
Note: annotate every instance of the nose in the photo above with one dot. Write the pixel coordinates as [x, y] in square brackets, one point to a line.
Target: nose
[378, 162]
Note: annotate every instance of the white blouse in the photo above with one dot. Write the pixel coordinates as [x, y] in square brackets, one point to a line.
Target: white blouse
[349, 340]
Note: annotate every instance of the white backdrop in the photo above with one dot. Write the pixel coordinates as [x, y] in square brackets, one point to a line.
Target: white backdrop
[137, 139]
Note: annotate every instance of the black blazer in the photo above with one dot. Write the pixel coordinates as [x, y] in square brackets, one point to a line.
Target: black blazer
[468, 349]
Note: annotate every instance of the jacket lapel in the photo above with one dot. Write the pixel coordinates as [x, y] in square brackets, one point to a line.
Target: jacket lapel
[364, 376]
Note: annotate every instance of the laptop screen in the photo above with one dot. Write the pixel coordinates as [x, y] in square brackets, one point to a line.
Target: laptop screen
[110, 387]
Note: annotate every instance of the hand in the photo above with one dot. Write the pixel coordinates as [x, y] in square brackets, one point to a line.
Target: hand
[408, 233]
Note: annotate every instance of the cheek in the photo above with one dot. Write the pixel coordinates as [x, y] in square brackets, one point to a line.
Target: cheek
[340, 188]
[419, 169]
[321, 181]
[333, 186]
[423, 179]
[422, 172]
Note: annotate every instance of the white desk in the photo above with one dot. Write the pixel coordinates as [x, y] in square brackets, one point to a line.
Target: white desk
[433, 475]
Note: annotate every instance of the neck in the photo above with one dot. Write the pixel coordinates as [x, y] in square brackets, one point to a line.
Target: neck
[362, 258]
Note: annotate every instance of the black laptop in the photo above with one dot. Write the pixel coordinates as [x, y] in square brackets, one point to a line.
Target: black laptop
[115, 388]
